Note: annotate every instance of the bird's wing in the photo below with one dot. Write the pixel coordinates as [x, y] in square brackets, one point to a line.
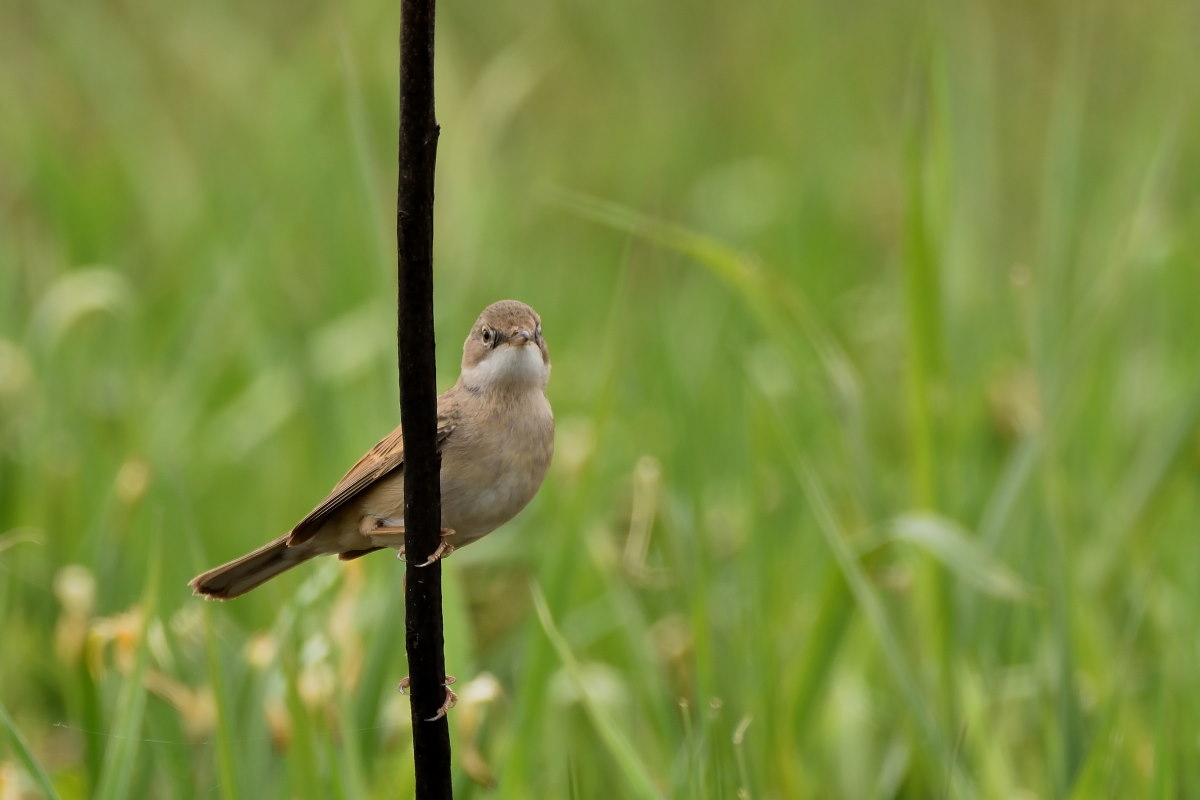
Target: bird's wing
[382, 459]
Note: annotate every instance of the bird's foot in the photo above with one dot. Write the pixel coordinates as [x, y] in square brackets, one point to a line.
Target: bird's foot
[451, 696]
[444, 549]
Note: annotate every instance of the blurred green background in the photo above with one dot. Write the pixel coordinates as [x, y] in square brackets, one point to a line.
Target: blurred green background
[876, 345]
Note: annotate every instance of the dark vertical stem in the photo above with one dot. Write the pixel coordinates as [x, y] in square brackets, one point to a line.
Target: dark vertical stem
[418, 398]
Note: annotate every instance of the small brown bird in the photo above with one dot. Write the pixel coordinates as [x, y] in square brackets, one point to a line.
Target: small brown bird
[496, 437]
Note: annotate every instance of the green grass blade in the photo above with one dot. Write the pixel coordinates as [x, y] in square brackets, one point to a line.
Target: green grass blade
[937, 745]
[32, 767]
[641, 783]
[1163, 449]
[777, 305]
[121, 757]
[959, 553]
[834, 611]
[224, 735]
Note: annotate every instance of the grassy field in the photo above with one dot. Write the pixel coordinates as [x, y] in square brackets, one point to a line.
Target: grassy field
[876, 332]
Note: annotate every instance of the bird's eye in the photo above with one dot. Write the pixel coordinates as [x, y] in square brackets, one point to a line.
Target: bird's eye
[486, 335]
[537, 332]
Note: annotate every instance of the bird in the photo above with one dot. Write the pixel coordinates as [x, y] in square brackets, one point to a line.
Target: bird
[495, 433]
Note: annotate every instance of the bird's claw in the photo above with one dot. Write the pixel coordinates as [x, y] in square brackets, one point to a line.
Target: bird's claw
[451, 702]
[444, 549]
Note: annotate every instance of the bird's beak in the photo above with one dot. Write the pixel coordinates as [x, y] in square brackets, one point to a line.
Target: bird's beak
[520, 337]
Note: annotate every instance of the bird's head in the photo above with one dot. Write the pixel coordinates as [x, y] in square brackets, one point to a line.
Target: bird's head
[505, 350]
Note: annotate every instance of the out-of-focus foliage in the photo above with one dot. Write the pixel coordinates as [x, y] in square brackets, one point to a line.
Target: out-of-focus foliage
[875, 342]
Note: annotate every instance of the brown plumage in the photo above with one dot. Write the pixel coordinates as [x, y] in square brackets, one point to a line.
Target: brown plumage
[496, 437]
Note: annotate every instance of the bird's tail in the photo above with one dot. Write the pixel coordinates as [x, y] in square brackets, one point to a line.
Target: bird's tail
[251, 570]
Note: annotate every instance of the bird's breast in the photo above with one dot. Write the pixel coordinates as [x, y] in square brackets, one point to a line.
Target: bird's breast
[493, 465]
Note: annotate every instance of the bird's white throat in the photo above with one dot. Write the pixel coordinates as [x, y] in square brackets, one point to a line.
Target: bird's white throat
[511, 367]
